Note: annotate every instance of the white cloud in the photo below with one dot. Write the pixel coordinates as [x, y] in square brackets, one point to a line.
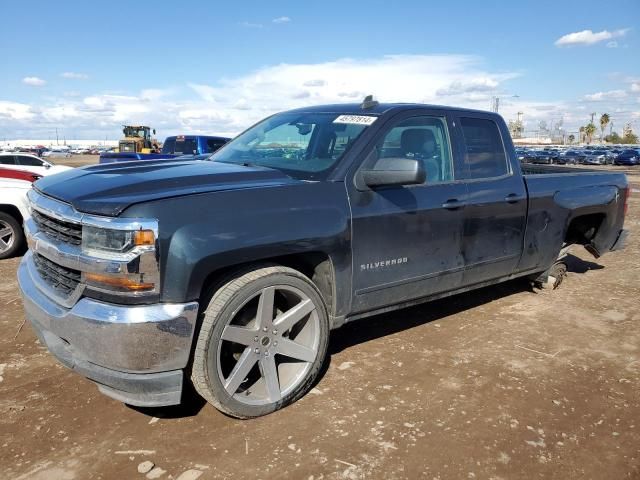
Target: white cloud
[250, 25]
[600, 96]
[635, 87]
[281, 20]
[154, 94]
[476, 85]
[229, 105]
[74, 75]
[33, 81]
[15, 111]
[588, 37]
[612, 44]
[416, 78]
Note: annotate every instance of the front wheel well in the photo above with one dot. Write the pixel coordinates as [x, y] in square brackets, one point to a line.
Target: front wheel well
[13, 211]
[317, 266]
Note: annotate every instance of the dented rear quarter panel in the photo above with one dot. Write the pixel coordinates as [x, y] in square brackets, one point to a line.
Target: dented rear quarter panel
[555, 199]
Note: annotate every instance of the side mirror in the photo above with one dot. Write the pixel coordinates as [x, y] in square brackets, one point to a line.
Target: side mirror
[395, 171]
[47, 166]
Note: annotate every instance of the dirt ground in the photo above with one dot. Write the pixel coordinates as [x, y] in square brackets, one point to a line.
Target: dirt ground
[500, 383]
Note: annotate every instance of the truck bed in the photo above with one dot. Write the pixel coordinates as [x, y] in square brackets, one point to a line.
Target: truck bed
[557, 195]
[531, 169]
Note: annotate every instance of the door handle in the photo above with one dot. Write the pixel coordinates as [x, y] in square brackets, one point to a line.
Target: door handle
[513, 198]
[453, 204]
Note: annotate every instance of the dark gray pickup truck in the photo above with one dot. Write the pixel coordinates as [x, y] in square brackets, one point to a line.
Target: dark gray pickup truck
[230, 273]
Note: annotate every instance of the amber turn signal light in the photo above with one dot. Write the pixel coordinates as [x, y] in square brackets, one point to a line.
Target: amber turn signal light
[143, 237]
[124, 283]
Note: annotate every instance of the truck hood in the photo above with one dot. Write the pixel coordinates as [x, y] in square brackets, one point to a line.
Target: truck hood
[108, 189]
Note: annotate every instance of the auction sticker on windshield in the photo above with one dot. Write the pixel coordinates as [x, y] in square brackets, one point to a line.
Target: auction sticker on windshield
[355, 119]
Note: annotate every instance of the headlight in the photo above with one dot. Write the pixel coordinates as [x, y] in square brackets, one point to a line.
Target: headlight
[127, 258]
[115, 241]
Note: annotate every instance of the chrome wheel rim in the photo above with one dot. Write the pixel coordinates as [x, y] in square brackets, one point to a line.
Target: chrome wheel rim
[268, 347]
[6, 236]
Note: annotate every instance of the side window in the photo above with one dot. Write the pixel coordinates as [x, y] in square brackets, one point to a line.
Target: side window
[424, 138]
[484, 151]
[7, 160]
[29, 161]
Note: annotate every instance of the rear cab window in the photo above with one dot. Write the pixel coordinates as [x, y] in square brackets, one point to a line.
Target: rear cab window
[484, 152]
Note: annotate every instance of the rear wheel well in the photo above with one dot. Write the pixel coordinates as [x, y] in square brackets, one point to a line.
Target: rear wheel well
[317, 266]
[13, 211]
[582, 229]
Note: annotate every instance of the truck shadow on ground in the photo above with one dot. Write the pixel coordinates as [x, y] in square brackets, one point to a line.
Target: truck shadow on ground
[386, 324]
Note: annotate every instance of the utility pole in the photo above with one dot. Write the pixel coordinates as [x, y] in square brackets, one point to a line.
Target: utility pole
[495, 102]
[593, 115]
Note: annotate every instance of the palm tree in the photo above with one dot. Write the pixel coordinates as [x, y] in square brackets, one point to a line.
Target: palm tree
[572, 137]
[582, 139]
[604, 121]
[589, 130]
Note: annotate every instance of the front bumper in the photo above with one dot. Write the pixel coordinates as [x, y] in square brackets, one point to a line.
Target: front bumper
[135, 353]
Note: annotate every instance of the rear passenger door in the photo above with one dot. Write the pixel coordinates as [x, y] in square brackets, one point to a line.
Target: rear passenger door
[496, 207]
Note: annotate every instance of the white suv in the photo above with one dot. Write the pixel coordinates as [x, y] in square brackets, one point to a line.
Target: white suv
[30, 163]
[13, 212]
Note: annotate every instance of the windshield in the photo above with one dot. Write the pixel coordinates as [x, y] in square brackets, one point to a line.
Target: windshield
[134, 132]
[303, 145]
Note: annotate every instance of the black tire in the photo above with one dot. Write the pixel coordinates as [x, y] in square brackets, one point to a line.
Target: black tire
[220, 311]
[17, 241]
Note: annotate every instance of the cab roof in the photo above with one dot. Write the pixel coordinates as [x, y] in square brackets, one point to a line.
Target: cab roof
[380, 108]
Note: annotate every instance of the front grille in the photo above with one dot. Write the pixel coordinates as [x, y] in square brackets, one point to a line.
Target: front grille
[58, 229]
[63, 280]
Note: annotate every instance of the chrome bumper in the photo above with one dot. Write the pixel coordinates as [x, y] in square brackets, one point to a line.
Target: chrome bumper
[105, 341]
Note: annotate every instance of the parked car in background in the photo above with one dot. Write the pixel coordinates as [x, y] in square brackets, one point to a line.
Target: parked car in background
[539, 157]
[628, 157]
[30, 163]
[554, 153]
[56, 154]
[174, 146]
[608, 156]
[570, 157]
[192, 144]
[13, 213]
[19, 174]
[593, 157]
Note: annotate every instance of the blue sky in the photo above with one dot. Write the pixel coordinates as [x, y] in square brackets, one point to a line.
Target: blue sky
[196, 66]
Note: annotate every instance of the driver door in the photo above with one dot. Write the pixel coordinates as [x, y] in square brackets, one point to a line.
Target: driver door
[407, 239]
